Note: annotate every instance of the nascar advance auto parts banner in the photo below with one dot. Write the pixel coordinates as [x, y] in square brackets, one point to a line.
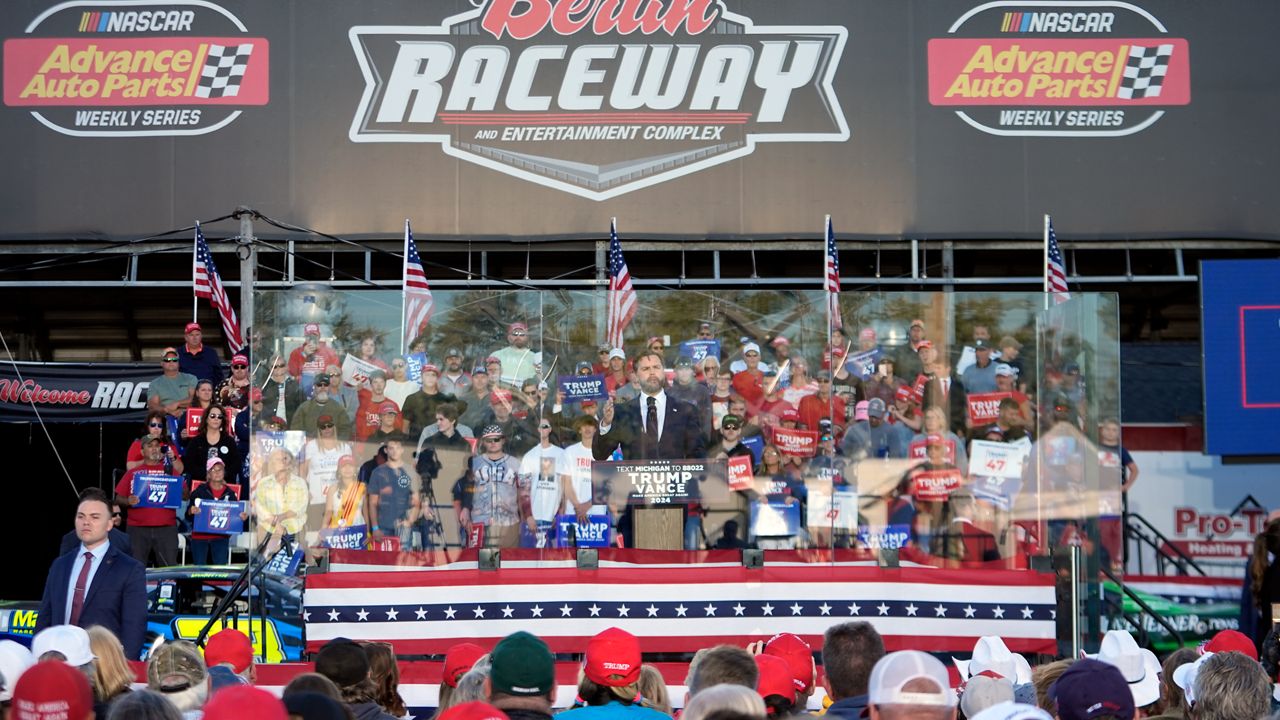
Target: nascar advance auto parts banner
[74, 392]
[737, 118]
[602, 97]
[103, 68]
[1059, 69]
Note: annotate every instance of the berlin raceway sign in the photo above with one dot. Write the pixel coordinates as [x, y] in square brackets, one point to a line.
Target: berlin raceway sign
[598, 97]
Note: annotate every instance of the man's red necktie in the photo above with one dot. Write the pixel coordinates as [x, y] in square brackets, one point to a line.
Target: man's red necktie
[77, 600]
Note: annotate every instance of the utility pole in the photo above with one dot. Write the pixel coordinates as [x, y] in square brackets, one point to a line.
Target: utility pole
[248, 254]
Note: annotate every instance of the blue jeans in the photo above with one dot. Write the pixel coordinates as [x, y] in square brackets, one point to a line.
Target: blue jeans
[693, 532]
[211, 552]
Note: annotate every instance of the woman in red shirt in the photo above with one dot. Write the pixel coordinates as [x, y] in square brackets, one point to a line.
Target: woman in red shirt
[156, 426]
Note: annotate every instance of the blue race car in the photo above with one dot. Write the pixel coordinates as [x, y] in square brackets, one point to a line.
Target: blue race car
[180, 600]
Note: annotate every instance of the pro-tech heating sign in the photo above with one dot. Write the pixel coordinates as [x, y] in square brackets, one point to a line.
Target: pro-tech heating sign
[135, 68]
[1059, 69]
[599, 97]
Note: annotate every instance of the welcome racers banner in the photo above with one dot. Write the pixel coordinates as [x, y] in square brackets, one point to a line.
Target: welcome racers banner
[679, 608]
[682, 118]
[74, 392]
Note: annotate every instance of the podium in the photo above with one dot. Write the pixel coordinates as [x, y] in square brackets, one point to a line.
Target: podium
[658, 528]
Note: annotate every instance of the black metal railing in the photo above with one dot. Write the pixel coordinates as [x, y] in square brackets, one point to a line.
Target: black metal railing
[1146, 609]
[1145, 536]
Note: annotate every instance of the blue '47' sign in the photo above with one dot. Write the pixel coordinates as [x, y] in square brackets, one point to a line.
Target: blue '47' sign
[157, 491]
[221, 517]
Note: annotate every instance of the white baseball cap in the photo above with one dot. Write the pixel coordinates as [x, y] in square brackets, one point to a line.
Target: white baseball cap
[14, 660]
[1185, 677]
[750, 347]
[897, 670]
[71, 641]
[617, 353]
[983, 691]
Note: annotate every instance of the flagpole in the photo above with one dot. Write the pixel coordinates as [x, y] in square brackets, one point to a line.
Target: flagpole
[831, 360]
[404, 273]
[1044, 267]
[825, 226]
[608, 294]
[195, 255]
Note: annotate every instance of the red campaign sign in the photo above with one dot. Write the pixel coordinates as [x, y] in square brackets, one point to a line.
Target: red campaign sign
[984, 408]
[475, 538]
[934, 484]
[233, 487]
[193, 421]
[740, 474]
[796, 443]
[917, 388]
[916, 450]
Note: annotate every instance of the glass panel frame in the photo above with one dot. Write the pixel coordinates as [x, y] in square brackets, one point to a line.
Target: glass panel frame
[1004, 477]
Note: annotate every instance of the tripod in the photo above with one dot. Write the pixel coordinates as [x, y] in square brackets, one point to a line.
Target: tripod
[432, 525]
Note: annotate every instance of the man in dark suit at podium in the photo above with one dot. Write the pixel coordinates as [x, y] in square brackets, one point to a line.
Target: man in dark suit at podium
[96, 583]
[655, 426]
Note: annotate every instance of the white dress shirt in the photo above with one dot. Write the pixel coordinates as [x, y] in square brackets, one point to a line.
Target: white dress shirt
[661, 403]
[98, 553]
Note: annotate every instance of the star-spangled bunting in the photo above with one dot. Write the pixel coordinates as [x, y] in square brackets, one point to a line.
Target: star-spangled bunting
[1055, 271]
[832, 282]
[681, 609]
[622, 296]
[740, 607]
[418, 302]
[208, 285]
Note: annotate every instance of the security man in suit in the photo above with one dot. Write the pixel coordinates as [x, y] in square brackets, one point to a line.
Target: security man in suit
[656, 426]
[117, 537]
[96, 583]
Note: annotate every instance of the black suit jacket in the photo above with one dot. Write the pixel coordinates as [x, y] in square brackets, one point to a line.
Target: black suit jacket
[955, 402]
[118, 540]
[117, 598]
[681, 433]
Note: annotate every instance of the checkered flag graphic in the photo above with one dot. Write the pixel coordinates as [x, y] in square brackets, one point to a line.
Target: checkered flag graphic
[1144, 72]
[223, 70]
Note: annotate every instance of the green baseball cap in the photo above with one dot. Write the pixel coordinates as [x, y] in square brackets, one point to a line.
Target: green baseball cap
[522, 665]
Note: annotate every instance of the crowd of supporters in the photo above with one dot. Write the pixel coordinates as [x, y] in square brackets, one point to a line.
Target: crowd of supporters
[333, 442]
[73, 674]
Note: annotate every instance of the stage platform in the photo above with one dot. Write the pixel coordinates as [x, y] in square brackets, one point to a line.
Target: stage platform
[675, 602]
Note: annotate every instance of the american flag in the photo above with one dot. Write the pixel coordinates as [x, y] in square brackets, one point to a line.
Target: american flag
[1055, 271]
[418, 302]
[208, 284]
[622, 296]
[676, 608]
[833, 278]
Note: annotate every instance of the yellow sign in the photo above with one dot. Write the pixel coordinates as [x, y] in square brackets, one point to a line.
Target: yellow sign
[188, 628]
[23, 622]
